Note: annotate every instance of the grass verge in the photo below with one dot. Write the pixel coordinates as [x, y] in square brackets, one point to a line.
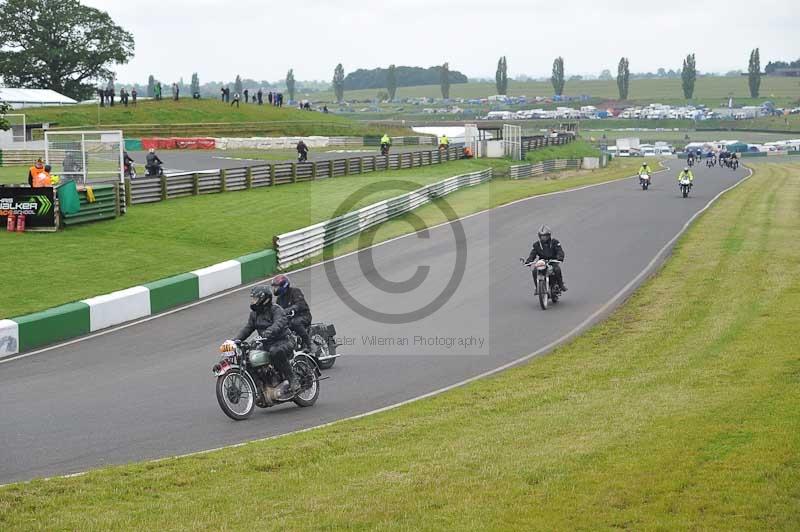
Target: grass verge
[678, 412]
[162, 239]
[574, 150]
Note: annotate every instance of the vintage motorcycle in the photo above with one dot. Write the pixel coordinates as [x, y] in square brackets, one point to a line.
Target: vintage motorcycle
[644, 180]
[323, 336]
[546, 286]
[685, 185]
[246, 378]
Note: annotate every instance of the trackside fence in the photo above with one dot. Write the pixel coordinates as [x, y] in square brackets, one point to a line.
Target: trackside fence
[297, 246]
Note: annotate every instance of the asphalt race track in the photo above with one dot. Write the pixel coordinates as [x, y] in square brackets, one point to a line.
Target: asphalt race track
[146, 391]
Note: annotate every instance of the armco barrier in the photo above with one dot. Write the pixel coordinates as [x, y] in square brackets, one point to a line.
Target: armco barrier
[152, 189]
[76, 319]
[305, 243]
[105, 206]
[523, 171]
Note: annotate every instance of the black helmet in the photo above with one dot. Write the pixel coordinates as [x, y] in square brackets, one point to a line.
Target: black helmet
[260, 298]
[544, 234]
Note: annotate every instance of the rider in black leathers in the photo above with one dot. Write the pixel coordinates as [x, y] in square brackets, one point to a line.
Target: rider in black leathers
[294, 304]
[271, 323]
[548, 248]
[153, 163]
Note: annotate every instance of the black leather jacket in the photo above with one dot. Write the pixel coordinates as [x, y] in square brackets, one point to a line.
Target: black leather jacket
[153, 160]
[271, 325]
[294, 300]
[551, 250]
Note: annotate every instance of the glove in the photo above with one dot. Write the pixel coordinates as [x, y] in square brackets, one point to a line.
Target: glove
[227, 346]
[290, 314]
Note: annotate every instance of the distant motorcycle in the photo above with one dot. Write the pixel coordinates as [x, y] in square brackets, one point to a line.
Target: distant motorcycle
[685, 185]
[546, 286]
[644, 181]
[384, 149]
[302, 156]
[246, 379]
[130, 170]
[155, 171]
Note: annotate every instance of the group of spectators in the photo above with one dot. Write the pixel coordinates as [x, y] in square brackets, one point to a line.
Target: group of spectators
[273, 98]
[107, 97]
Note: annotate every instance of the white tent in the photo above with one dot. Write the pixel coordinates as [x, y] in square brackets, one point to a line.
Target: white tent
[21, 98]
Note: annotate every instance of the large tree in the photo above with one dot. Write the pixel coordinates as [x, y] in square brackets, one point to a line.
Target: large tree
[558, 76]
[391, 81]
[444, 82]
[688, 76]
[338, 82]
[754, 73]
[623, 78]
[4, 108]
[60, 45]
[501, 76]
[290, 84]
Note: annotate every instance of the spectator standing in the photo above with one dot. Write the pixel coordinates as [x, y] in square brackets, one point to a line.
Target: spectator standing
[246, 95]
[269, 97]
[222, 94]
[260, 96]
[102, 95]
[110, 96]
[280, 99]
[235, 99]
[134, 94]
[158, 90]
[122, 97]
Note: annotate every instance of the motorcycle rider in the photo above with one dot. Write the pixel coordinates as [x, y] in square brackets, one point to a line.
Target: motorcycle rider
[294, 304]
[687, 173]
[548, 248]
[271, 323]
[302, 151]
[444, 142]
[127, 162]
[645, 169]
[386, 141]
[153, 163]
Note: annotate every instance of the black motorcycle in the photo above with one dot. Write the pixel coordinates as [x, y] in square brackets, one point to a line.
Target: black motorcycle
[130, 170]
[155, 171]
[384, 149]
[247, 379]
[547, 288]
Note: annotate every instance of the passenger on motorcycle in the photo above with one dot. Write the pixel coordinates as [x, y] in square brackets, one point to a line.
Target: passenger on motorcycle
[153, 163]
[548, 248]
[294, 304]
[271, 323]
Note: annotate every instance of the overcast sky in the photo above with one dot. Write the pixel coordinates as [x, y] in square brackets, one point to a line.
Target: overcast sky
[219, 39]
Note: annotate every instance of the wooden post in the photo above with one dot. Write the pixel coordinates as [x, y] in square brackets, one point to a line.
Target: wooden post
[294, 172]
[271, 174]
[347, 166]
[163, 188]
[248, 178]
[314, 170]
[223, 181]
[116, 199]
[195, 184]
[128, 189]
[374, 163]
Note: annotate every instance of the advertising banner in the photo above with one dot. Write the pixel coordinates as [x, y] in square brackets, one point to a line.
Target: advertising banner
[37, 204]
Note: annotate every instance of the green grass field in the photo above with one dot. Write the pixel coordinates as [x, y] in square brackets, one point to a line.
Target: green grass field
[151, 114]
[573, 150]
[708, 90]
[680, 412]
[187, 238]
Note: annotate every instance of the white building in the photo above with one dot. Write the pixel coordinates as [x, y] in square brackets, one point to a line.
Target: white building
[22, 98]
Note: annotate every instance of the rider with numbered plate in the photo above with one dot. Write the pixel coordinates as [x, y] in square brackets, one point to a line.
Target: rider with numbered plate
[293, 303]
[271, 323]
[548, 248]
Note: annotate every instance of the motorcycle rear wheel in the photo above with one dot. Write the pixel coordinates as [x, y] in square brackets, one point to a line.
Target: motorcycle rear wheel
[309, 385]
[544, 297]
[236, 395]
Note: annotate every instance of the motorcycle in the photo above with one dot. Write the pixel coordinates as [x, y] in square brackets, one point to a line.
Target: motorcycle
[734, 164]
[644, 181]
[384, 149]
[685, 185]
[155, 171]
[246, 379]
[130, 170]
[690, 161]
[546, 286]
[302, 157]
[323, 336]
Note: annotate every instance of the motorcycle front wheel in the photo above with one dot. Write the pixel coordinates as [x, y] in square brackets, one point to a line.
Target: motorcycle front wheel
[236, 395]
[309, 385]
[544, 297]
